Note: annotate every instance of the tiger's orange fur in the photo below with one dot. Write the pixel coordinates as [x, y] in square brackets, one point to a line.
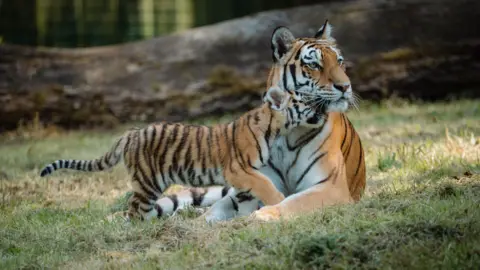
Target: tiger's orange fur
[315, 66]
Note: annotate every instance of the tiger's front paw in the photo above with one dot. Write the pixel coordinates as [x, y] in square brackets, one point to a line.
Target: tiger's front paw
[267, 213]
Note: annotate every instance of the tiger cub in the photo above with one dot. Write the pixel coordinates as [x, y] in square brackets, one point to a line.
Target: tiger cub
[164, 154]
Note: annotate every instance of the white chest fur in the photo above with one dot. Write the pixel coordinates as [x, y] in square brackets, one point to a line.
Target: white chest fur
[294, 160]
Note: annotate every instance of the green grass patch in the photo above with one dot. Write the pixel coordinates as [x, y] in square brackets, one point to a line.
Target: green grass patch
[420, 209]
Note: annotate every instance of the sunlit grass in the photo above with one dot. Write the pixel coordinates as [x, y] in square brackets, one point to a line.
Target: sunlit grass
[420, 210]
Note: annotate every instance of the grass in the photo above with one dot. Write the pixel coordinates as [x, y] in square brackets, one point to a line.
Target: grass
[420, 210]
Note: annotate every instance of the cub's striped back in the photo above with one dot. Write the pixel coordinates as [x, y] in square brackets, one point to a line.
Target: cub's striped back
[226, 154]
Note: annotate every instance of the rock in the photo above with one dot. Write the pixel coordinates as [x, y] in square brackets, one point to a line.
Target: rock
[411, 48]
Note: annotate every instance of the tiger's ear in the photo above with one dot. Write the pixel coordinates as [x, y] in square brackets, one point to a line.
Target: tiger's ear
[325, 32]
[277, 98]
[282, 43]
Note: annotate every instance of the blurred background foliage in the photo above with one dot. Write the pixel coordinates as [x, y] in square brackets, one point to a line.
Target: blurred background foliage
[84, 23]
[410, 49]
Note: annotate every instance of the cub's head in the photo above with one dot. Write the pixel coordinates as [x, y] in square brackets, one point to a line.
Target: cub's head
[313, 67]
[291, 110]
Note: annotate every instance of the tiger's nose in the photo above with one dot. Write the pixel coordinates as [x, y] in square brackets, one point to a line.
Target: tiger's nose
[342, 88]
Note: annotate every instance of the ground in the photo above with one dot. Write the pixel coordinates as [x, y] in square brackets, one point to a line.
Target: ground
[420, 210]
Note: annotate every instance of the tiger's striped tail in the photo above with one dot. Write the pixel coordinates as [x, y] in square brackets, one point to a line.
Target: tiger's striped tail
[108, 160]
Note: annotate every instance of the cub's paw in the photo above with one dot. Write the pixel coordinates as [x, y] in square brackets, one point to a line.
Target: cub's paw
[267, 213]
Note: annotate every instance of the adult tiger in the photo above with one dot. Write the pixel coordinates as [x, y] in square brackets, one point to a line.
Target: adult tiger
[163, 154]
[313, 167]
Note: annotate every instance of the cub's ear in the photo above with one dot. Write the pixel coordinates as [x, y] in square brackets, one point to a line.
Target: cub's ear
[282, 43]
[277, 98]
[325, 32]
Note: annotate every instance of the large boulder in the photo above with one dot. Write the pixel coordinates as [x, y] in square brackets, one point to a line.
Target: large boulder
[411, 48]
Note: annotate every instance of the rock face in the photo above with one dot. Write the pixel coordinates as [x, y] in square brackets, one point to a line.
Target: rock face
[411, 48]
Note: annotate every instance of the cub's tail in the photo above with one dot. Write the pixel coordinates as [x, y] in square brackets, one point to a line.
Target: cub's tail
[108, 160]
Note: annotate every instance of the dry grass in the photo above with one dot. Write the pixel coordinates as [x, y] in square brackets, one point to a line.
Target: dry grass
[420, 209]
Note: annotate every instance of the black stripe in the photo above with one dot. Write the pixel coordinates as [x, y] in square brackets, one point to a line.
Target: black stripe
[159, 210]
[135, 177]
[139, 167]
[211, 177]
[174, 199]
[60, 163]
[259, 148]
[304, 74]
[197, 197]
[256, 117]
[157, 155]
[156, 152]
[234, 204]
[179, 147]
[229, 149]
[279, 173]
[171, 175]
[204, 166]
[250, 163]
[267, 133]
[146, 210]
[54, 165]
[290, 113]
[294, 161]
[99, 165]
[106, 158]
[150, 157]
[90, 166]
[285, 78]
[244, 196]
[151, 164]
[309, 167]
[204, 158]
[141, 198]
[181, 176]
[198, 141]
[171, 138]
[320, 147]
[188, 156]
[72, 165]
[183, 160]
[127, 145]
[333, 173]
[217, 143]
[153, 139]
[360, 158]
[305, 139]
[225, 191]
[294, 76]
[352, 137]
[190, 170]
[345, 129]
[79, 165]
[209, 145]
[297, 55]
[200, 181]
[145, 142]
[236, 151]
[242, 158]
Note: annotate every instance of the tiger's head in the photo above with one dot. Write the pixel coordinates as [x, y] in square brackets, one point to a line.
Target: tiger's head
[313, 67]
